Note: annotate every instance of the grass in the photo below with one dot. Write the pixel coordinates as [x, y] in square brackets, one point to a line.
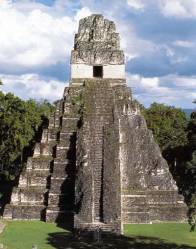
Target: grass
[24, 234]
[177, 233]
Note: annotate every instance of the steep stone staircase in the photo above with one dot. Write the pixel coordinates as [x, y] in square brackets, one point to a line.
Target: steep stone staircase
[98, 114]
[46, 188]
[28, 199]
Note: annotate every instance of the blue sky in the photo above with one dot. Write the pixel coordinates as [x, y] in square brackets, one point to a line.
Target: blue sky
[158, 37]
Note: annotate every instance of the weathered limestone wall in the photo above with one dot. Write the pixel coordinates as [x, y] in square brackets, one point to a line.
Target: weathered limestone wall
[121, 176]
[148, 191]
[97, 43]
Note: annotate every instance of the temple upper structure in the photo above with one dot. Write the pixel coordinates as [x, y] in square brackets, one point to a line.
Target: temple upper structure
[97, 52]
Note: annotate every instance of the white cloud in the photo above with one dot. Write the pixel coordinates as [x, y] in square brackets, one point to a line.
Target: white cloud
[185, 44]
[171, 89]
[34, 36]
[84, 12]
[178, 8]
[150, 82]
[132, 45]
[182, 82]
[136, 4]
[32, 86]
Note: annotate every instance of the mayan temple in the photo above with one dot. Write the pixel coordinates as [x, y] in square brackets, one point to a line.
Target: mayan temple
[97, 164]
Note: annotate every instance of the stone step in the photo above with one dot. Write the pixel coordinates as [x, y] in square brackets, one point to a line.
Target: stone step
[53, 131]
[98, 177]
[36, 188]
[163, 196]
[62, 152]
[54, 120]
[23, 196]
[103, 227]
[63, 156]
[136, 217]
[36, 172]
[133, 200]
[57, 173]
[67, 140]
[62, 164]
[152, 197]
[39, 179]
[28, 195]
[24, 212]
[43, 162]
[45, 136]
[69, 124]
[65, 173]
[42, 149]
[168, 212]
[135, 208]
[58, 163]
[61, 207]
[51, 121]
[97, 189]
[60, 199]
[67, 136]
[61, 185]
[68, 111]
[59, 216]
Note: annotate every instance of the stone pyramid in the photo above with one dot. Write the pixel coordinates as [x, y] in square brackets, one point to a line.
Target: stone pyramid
[97, 165]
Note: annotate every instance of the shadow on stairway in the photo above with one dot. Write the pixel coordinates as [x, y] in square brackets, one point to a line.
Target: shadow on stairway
[6, 188]
[65, 218]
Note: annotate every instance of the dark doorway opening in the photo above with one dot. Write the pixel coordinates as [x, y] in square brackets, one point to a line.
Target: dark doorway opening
[98, 71]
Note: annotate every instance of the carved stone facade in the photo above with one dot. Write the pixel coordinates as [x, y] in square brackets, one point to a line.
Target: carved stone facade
[97, 163]
[97, 44]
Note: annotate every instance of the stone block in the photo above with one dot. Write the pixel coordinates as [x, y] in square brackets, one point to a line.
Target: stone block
[136, 217]
[170, 213]
[59, 216]
[27, 212]
[33, 195]
[42, 149]
[43, 162]
[163, 197]
[69, 124]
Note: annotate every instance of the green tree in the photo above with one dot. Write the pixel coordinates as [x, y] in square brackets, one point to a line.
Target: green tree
[168, 125]
[176, 137]
[189, 186]
[19, 122]
[140, 106]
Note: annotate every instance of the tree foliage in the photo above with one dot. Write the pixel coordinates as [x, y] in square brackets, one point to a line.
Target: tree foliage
[176, 137]
[169, 127]
[19, 122]
[190, 171]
